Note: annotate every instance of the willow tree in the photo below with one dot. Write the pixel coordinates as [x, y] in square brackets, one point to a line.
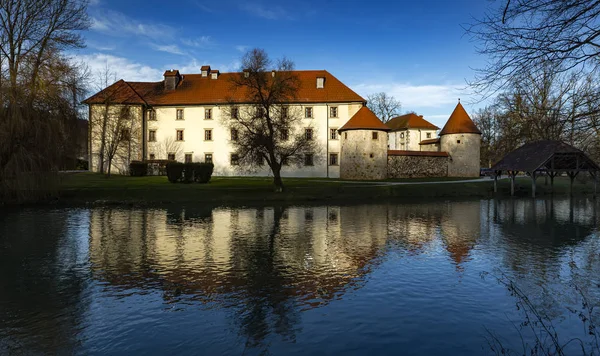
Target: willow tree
[265, 126]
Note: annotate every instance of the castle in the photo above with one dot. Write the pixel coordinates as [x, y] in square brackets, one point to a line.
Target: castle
[180, 118]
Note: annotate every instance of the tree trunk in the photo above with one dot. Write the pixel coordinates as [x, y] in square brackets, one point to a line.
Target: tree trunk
[277, 182]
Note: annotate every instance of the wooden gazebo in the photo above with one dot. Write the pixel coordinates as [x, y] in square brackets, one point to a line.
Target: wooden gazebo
[545, 157]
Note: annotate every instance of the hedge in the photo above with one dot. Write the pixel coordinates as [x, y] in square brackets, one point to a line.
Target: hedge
[189, 172]
[138, 169]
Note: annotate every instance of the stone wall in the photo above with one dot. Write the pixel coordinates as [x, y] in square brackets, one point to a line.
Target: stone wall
[362, 157]
[408, 166]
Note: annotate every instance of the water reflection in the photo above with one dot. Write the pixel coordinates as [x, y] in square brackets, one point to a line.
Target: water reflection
[42, 281]
[82, 280]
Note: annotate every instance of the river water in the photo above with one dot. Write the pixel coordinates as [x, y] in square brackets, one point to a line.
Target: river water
[423, 278]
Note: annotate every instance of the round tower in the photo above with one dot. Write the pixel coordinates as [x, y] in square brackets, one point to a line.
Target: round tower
[462, 140]
[363, 149]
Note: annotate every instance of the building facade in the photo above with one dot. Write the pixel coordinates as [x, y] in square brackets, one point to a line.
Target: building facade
[183, 118]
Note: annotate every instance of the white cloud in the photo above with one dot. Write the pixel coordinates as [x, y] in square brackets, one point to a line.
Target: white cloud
[270, 13]
[202, 41]
[416, 96]
[241, 48]
[122, 67]
[117, 24]
[172, 49]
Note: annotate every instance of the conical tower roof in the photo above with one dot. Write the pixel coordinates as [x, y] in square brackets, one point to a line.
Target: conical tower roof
[459, 122]
[364, 119]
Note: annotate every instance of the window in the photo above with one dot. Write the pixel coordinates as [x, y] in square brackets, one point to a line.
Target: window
[125, 134]
[284, 112]
[179, 135]
[234, 134]
[235, 159]
[151, 156]
[151, 115]
[333, 159]
[171, 156]
[457, 141]
[179, 115]
[402, 135]
[375, 135]
[208, 135]
[152, 136]
[188, 158]
[207, 114]
[260, 112]
[308, 112]
[284, 135]
[308, 159]
[234, 113]
[208, 157]
[429, 135]
[345, 135]
[333, 135]
[309, 134]
[333, 112]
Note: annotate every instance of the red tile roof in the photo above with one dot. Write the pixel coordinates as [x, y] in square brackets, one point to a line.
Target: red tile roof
[197, 90]
[120, 92]
[417, 153]
[430, 142]
[410, 121]
[459, 122]
[364, 119]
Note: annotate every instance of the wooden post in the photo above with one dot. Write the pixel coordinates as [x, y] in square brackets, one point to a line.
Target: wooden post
[512, 183]
[496, 181]
[572, 177]
[532, 175]
[595, 176]
[552, 175]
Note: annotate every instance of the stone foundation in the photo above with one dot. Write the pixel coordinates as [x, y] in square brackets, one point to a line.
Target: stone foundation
[417, 166]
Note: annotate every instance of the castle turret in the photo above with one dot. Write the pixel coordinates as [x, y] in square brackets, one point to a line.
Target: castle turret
[461, 138]
[364, 147]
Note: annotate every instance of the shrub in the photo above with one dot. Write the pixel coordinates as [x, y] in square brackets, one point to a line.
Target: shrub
[174, 171]
[81, 165]
[138, 169]
[203, 172]
[188, 172]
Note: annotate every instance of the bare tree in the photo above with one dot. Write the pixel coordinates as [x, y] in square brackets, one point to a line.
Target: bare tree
[267, 128]
[39, 89]
[29, 30]
[521, 36]
[120, 138]
[384, 106]
[167, 146]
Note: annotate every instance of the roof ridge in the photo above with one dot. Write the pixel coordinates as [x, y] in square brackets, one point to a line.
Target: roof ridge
[136, 93]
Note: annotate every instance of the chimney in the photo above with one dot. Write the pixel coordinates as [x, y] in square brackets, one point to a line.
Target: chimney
[320, 82]
[214, 74]
[205, 70]
[172, 79]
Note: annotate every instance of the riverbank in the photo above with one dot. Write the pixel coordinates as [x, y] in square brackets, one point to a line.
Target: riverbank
[90, 188]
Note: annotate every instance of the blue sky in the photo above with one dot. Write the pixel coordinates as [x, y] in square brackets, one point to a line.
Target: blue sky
[414, 50]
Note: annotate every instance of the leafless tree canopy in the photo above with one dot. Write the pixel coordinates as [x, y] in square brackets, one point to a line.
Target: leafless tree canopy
[384, 106]
[521, 36]
[548, 106]
[266, 128]
[39, 91]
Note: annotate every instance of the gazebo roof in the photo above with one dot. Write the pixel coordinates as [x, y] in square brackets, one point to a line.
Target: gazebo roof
[546, 155]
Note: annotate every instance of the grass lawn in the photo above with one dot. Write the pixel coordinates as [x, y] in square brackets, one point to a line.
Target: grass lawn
[92, 187]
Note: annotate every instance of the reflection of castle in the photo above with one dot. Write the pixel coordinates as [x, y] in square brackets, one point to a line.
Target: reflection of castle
[322, 248]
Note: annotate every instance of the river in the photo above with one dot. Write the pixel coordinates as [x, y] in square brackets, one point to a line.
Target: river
[419, 278]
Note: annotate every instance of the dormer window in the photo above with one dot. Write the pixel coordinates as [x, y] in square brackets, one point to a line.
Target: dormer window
[214, 74]
[205, 70]
[320, 82]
